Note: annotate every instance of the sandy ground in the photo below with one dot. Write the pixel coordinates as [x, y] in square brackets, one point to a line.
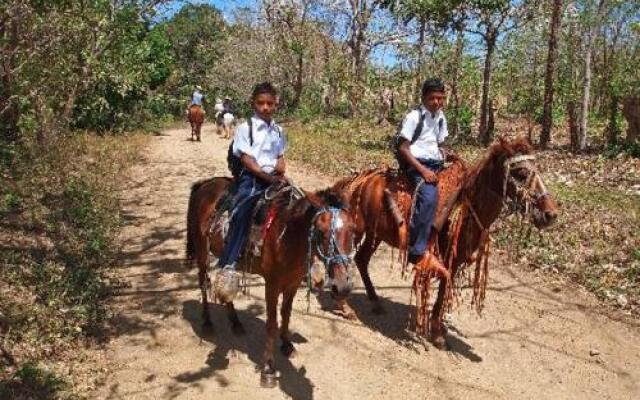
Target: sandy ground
[536, 338]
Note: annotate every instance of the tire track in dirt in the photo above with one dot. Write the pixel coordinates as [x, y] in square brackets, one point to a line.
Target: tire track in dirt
[533, 340]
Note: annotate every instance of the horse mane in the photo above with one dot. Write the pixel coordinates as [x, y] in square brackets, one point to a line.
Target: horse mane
[312, 202]
[501, 148]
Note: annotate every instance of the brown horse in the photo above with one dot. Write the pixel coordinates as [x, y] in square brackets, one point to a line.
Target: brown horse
[316, 226]
[506, 173]
[196, 119]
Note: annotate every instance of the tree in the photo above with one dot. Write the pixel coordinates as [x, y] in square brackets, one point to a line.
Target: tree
[290, 24]
[492, 18]
[547, 117]
[591, 28]
[54, 52]
[196, 33]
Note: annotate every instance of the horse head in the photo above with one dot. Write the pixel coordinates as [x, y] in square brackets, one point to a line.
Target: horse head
[331, 242]
[522, 184]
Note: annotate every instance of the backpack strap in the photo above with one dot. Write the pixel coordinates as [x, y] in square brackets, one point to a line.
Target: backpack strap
[418, 131]
[250, 131]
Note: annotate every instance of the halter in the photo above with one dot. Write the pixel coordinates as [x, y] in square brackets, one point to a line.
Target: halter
[525, 189]
[334, 255]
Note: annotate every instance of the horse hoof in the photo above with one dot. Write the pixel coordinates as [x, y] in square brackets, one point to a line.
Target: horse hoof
[268, 379]
[288, 350]
[350, 315]
[439, 342]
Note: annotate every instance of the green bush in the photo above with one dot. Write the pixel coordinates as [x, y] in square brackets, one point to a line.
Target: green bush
[62, 213]
[32, 382]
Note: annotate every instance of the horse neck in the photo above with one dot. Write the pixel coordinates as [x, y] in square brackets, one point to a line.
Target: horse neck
[485, 193]
[297, 229]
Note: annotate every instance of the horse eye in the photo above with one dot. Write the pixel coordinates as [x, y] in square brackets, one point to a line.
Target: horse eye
[520, 173]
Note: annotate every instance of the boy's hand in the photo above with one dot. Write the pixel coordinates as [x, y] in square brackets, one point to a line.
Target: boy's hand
[278, 179]
[428, 175]
[280, 166]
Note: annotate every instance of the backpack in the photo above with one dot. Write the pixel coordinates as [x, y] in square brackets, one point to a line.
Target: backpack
[233, 162]
[402, 164]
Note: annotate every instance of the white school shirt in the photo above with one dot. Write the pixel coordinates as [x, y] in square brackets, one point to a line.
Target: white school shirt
[196, 98]
[269, 143]
[433, 133]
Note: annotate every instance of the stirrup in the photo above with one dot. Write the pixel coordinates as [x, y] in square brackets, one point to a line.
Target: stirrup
[226, 284]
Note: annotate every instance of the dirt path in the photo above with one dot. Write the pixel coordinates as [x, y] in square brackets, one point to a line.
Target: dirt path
[533, 341]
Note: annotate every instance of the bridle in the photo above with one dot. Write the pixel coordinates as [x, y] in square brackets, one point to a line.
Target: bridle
[525, 190]
[334, 255]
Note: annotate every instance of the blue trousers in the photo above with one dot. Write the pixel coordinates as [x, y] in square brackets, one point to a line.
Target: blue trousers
[248, 192]
[424, 213]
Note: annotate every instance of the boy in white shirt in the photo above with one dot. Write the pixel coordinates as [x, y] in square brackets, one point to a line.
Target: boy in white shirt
[423, 131]
[260, 144]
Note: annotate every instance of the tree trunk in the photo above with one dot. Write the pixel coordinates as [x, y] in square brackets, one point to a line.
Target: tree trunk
[298, 84]
[612, 129]
[9, 111]
[359, 24]
[547, 113]
[420, 60]
[484, 135]
[574, 129]
[586, 83]
[457, 64]
[631, 112]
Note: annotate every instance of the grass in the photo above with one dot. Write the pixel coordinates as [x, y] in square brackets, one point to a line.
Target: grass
[59, 222]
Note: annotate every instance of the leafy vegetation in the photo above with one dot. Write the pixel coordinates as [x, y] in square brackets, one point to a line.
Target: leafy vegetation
[60, 217]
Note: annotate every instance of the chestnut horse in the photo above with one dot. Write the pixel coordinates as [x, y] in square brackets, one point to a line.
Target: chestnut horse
[506, 173]
[196, 118]
[316, 226]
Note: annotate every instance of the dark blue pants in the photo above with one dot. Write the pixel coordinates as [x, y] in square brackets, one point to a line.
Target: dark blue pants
[248, 192]
[424, 213]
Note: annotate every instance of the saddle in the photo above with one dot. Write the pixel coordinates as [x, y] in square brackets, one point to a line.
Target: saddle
[401, 191]
[275, 197]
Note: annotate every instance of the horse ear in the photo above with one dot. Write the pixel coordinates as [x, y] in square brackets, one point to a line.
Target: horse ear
[522, 145]
[506, 146]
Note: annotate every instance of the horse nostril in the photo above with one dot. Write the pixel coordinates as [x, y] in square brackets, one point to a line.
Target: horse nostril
[334, 290]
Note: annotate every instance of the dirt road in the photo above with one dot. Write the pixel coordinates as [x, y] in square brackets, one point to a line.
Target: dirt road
[535, 340]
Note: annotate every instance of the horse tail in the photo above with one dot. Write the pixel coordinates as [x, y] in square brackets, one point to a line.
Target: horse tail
[192, 222]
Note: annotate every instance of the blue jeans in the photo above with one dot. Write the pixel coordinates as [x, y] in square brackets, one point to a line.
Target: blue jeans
[248, 192]
[424, 213]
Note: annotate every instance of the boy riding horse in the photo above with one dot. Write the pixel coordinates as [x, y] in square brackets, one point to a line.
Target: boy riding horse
[421, 158]
[196, 100]
[260, 145]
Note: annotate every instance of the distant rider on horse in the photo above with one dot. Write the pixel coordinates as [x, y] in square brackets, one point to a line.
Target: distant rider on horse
[260, 145]
[196, 100]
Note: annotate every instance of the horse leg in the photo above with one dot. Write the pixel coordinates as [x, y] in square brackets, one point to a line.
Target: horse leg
[268, 374]
[287, 348]
[203, 279]
[363, 257]
[198, 127]
[437, 330]
[236, 325]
